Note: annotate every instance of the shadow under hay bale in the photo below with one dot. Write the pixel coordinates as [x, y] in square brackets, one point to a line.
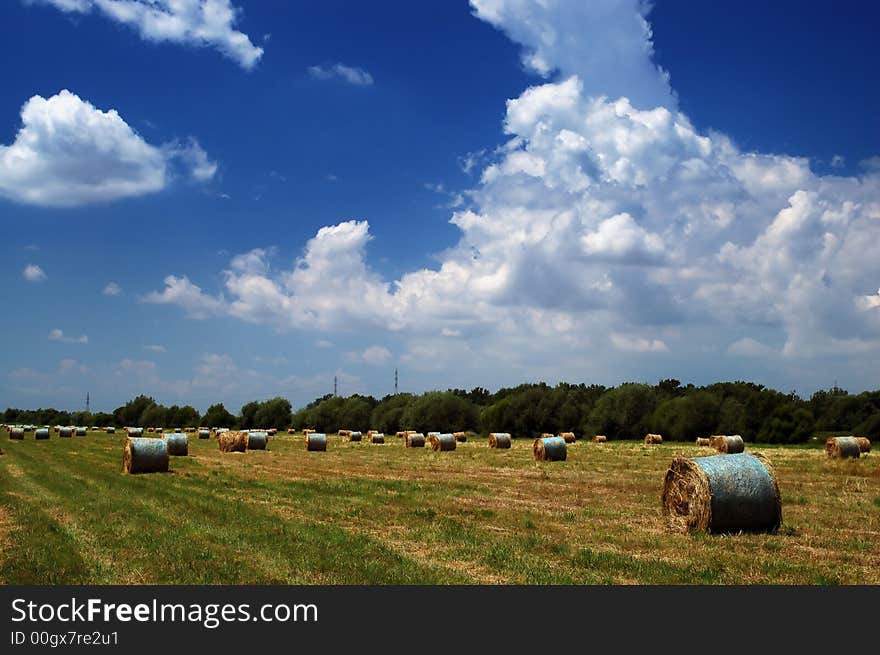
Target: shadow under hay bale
[355, 436]
[42, 433]
[600, 438]
[568, 437]
[704, 441]
[145, 455]
[864, 444]
[442, 442]
[727, 444]
[16, 433]
[257, 440]
[461, 437]
[204, 434]
[414, 440]
[317, 441]
[550, 449]
[178, 444]
[377, 438]
[653, 439]
[499, 440]
[232, 442]
[722, 493]
[842, 447]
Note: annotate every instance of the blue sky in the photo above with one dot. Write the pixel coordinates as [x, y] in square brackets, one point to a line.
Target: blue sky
[476, 194]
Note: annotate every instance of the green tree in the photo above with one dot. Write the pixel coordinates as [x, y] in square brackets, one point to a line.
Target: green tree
[218, 417]
[274, 413]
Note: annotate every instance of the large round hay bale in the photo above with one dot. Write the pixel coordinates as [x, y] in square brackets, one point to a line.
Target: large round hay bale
[145, 455]
[549, 449]
[864, 444]
[461, 437]
[727, 444]
[318, 441]
[568, 436]
[135, 432]
[414, 440]
[232, 442]
[354, 436]
[653, 439]
[600, 438]
[499, 440]
[178, 444]
[378, 438]
[442, 442]
[204, 434]
[80, 432]
[41, 433]
[722, 493]
[66, 432]
[16, 433]
[704, 441]
[257, 440]
[842, 447]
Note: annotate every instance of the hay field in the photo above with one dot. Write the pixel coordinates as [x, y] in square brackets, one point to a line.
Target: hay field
[385, 514]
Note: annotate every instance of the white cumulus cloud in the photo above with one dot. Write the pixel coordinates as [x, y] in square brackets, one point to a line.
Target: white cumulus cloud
[57, 334]
[33, 273]
[112, 289]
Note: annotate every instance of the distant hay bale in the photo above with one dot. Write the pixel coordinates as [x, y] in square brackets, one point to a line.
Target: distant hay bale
[80, 432]
[232, 442]
[134, 432]
[178, 444]
[257, 440]
[204, 434]
[110, 430]
[600, 438]
[189, 430]
[145, 455]
[344, 433]
[568, 436]
[414, 440]
[499, 440]
[722, 493]
[354, 435]
[16, 433]
[549, 449]
[377, 437]
[727, 444]
[460, 436]
[864, 444]
[272, 432]
[41, 433]
[546, 435]
[653, 439]
[317, 441]
[704, 441]
[66, 433]
[442, 442]
[842, 447]
[400, 435]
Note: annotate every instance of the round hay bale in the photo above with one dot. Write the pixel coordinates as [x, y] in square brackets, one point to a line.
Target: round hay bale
[499, 440]
[432, 434]
[110, 430]
[442, 442]
[549, 449]
[600, 438]
[568, 436]
[842, 447]
[178, 444]
[204, 434]
[378, 438]
[546, 435]
[66, 433]
[354, 436]
[16, 433]
[704, 441]
[41, 433]
[727, 444]
[414, 440]
[291, 430]
[864, 444]
[461, 437]
[232, 442]
[135, 432]
[653, 439]
[272, 432]
[145, 455]
[80, 432]
[189, 430]
[722, 493]
[400, 435]
[257, 440]
[317, 441]
[344, 433]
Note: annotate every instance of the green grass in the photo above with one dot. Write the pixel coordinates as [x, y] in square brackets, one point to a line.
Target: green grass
[361, 514]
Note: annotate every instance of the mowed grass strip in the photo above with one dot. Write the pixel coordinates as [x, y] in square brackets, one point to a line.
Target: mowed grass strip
[385, 514]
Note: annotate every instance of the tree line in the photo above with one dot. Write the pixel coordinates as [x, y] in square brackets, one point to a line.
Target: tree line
[628, 411]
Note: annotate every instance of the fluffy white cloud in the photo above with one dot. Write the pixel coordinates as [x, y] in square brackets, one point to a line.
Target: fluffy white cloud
[112, 289]
[205, 23]
[33, 273]
[371, 355]
[351, 74]
[603, 221]
[57, 334]
[180, 291]
[69, 153]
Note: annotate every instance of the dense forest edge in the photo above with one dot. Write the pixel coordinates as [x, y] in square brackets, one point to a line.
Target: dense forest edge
[630, 410]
